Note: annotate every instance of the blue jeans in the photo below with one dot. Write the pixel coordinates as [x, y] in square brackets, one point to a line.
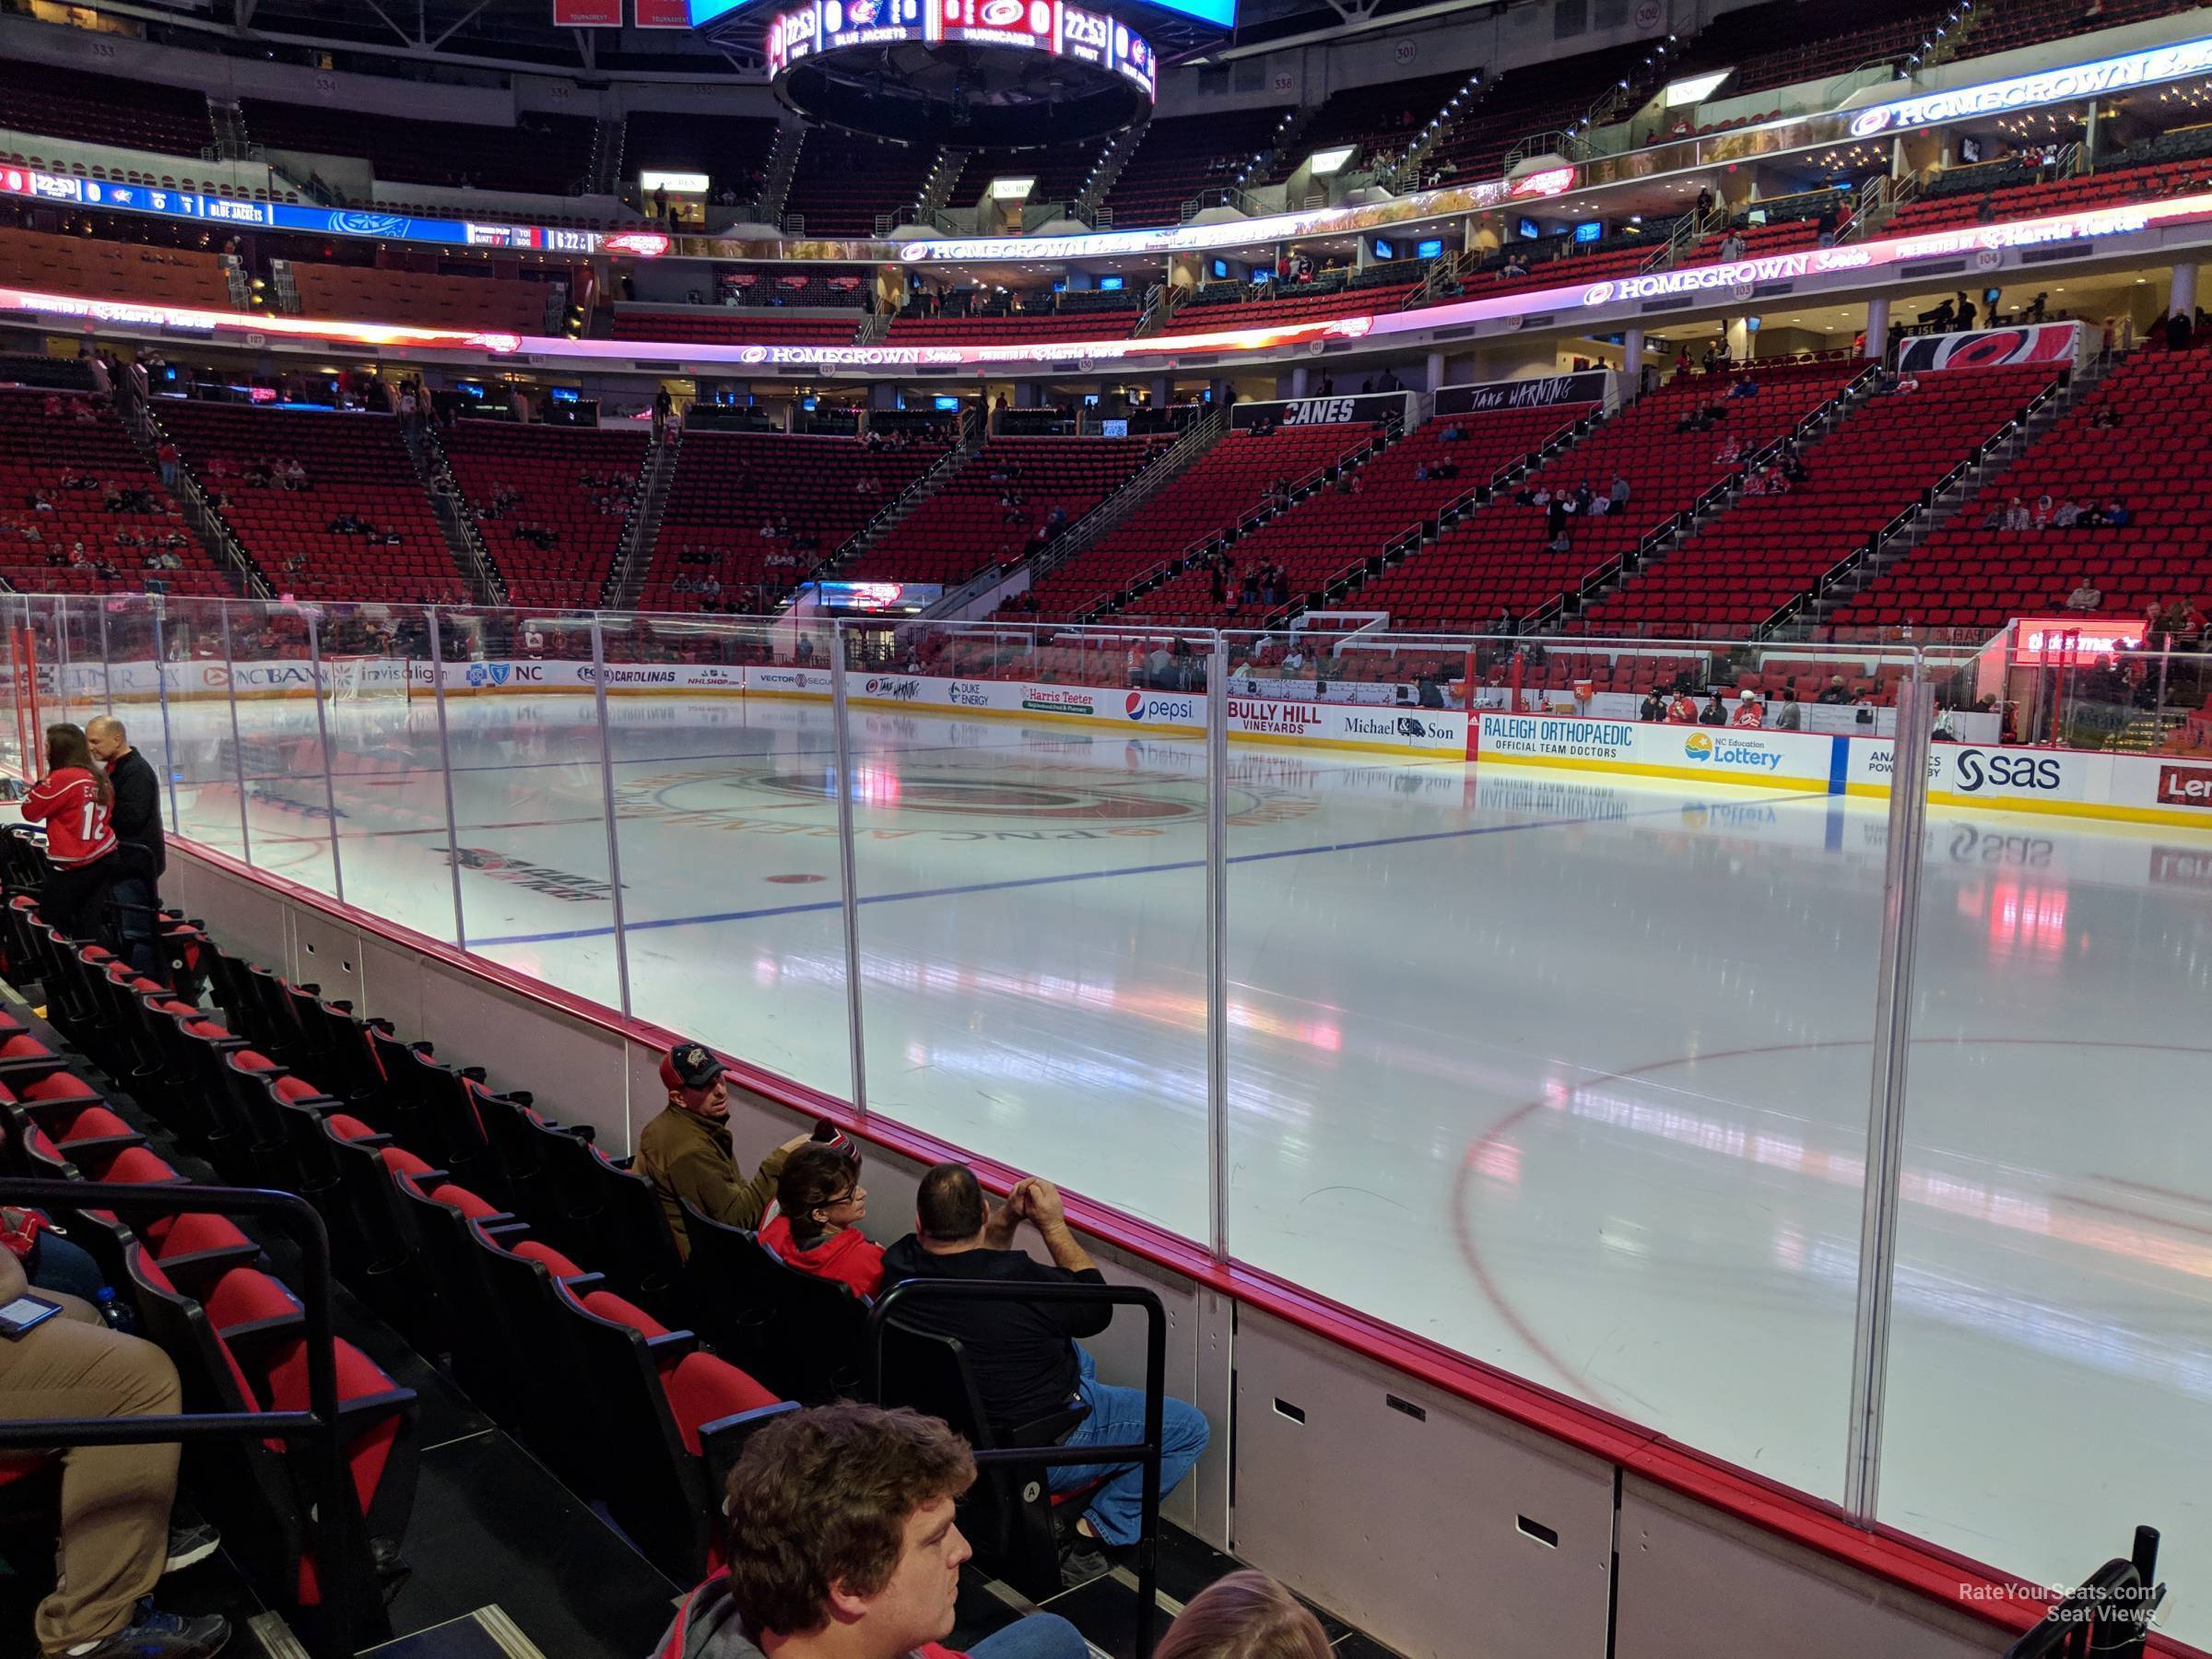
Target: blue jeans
[55, 1263]
[1116, 1418]
[1039, 1636]
[137, 906]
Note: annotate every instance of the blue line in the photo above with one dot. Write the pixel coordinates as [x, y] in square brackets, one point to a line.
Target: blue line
[1034, 882]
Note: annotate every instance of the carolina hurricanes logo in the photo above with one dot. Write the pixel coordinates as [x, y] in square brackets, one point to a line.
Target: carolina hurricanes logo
[1597, 293]
[1869, 122]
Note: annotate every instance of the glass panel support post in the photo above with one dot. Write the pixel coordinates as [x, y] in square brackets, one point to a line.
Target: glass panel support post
[445, 775]
[312, 617]
[237, 747]
[1886, 1110]
[1216, 943]
[606, 790]
[839, 710]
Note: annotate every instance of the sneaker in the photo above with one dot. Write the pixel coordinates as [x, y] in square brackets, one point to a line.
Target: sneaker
[152, 1635]
[1081, 1561]
[189, 1543]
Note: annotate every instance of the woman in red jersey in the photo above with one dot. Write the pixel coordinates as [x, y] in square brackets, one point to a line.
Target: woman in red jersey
[819, 1204]
[73, 801]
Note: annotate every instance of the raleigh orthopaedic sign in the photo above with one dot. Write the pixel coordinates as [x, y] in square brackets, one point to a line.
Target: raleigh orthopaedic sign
[2070, 84]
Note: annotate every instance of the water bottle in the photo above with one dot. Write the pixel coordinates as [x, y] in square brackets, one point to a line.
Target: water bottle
[112, 1313]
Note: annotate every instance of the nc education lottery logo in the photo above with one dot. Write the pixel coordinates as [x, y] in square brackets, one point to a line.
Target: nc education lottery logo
[1697, 747]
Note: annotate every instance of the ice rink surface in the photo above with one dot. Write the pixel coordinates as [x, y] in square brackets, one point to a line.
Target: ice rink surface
[1569, 1076]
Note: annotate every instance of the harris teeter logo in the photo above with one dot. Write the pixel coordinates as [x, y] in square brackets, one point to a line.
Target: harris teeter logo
[1054, 700]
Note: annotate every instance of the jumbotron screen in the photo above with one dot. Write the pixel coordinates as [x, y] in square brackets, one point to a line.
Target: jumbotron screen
[1053, 26]
[1222, 13]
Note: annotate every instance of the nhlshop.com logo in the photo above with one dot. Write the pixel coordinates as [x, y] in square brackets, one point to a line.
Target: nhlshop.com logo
[1140, 707]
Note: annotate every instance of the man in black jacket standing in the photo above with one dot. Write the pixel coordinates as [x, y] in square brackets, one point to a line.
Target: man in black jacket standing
[140, 850]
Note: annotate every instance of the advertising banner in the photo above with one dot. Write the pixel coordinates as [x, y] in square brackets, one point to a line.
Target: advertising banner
[2057, 344]
[587, 14]
[1588, 386]
[1320, 411]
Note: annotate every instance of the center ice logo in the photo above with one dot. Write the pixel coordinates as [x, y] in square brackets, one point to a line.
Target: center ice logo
[1697, 747]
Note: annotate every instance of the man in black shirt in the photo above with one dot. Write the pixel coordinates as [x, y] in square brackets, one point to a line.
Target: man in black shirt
[1024, 1355]
[141, 855]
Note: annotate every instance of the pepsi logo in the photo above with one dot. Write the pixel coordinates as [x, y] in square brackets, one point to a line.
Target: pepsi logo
[1136, 705]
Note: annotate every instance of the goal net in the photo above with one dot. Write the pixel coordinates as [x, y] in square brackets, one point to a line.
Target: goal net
[364, 678]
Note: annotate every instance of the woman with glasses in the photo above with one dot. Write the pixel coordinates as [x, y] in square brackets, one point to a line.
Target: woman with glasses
[819, 1207]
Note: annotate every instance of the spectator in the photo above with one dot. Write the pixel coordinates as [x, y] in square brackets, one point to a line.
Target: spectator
[2086, 596]
[1729, 453]
[1745, 386]
[116, 1535]
[1507, 625]
[1789, 717]
[1654, 707]
[1750, 710]
[2016, 516]
[2106, 419]
[2044, 508]
[843, 1545]
[141, 855]
[165, 457]
[1704, 202]
[1618, 494]
[1682, 709]
[685, 1151]
[1562, 543]
[74, 800]
[1026, 1362]
[1833, 694]
[819, 1207]
[2117, 514]
[2180, 327]
[1714, 713]
[1732, 247]
[1245, 1616]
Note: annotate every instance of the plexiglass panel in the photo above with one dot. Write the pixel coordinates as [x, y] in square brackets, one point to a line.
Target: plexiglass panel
[727, 819]
[1564, 1068]
[1032, 901]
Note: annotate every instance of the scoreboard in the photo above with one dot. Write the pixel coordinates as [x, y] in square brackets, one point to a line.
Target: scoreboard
[1055, 27]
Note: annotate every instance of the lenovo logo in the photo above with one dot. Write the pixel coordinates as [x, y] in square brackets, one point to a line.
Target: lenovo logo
[2185, 786]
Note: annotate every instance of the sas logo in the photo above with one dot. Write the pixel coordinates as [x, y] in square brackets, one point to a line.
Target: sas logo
[1979, 769]
[2185, 786]
[489, 673]
[1699, 746]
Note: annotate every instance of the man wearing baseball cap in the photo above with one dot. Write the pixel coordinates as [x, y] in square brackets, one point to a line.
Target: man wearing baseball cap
[685, 1151]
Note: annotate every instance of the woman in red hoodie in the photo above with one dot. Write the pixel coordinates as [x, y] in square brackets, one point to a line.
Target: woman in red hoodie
[819, 1207]
[73, 800]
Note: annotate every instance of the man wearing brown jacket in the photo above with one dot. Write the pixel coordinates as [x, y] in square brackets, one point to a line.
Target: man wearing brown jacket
[685, 1151]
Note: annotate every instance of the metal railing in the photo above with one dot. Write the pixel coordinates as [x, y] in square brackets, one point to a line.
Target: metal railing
[1146, 1452]
[336, 1517]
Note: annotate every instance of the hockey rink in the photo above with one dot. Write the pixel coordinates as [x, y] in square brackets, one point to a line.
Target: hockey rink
[1569, 1076]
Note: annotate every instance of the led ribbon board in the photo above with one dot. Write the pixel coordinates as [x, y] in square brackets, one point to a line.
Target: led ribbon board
[2070, 84]
[2085, 226]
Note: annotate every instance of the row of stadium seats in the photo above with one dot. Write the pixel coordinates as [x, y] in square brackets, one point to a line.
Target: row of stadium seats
[551, 504]
[1500, 558]
[1971, 574]
[45, 439]
[731, 487]
[1880, 461]
[1223, 486]
[964, 527]
[498, 304]
[84, 264]
[357, 467]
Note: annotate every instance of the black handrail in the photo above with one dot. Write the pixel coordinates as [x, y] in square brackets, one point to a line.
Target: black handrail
[1146, 1451]
[2110, 1614]
[337, 1516]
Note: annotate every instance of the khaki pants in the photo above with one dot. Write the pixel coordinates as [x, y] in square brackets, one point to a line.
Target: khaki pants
[115, 1500]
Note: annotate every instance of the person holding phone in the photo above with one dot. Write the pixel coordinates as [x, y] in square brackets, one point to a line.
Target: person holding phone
[74, 800]
[58, 1360]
